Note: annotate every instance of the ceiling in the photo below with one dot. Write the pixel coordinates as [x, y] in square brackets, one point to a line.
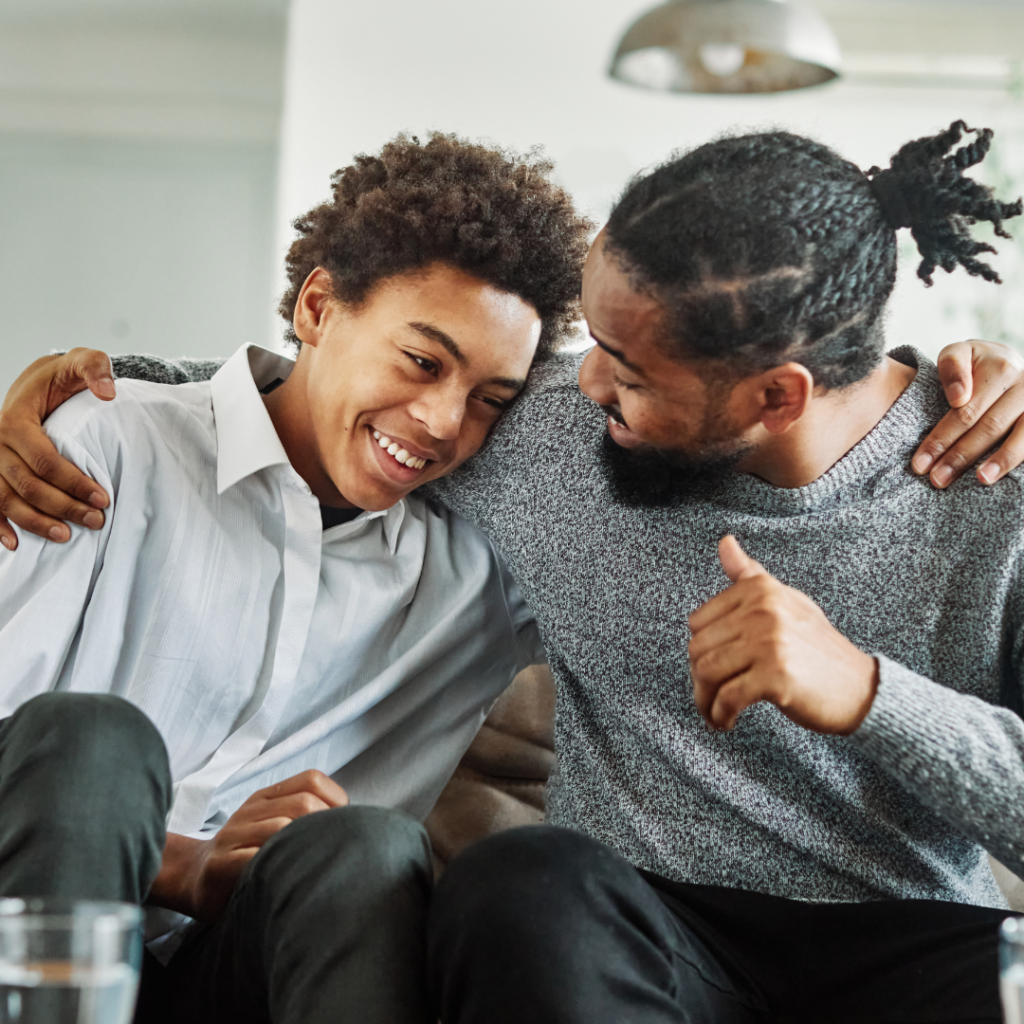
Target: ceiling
[199, 70]
[213, 69]
[269, 16]
[50, 8]
[195, 15]
[950, 28]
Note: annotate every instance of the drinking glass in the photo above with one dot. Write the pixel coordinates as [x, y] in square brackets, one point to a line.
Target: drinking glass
[68, 961]
[1011, 969]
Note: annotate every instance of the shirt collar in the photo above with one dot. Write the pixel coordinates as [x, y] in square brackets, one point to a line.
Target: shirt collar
[246, 439]
[393, 523]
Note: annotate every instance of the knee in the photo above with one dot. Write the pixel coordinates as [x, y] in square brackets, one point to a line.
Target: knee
[91, 733]
[525, 863]
[373, 847]
[535, 882]
[95, 757]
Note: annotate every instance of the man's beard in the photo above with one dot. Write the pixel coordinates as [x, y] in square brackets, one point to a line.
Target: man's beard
[650, 477]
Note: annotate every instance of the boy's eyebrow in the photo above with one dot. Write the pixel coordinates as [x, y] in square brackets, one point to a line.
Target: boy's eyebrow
[515, 384]
[436, 334]
[447, 342]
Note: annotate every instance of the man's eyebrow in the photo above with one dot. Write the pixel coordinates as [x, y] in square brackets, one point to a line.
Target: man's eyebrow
[616, 354]
[444, 340]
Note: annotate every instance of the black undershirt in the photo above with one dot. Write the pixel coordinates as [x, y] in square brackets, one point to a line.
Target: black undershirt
[336, 516]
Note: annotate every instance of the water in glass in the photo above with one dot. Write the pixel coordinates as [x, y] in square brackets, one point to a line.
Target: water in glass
[1011, 969]
[68, 962]
[61, 994]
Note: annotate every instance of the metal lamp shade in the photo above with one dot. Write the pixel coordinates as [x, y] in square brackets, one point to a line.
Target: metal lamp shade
[727, 46]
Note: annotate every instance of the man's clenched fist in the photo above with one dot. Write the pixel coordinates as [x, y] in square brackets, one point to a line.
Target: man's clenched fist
[761, 640]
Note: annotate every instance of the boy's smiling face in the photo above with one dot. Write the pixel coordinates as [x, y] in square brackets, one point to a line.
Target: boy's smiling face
[424, 366]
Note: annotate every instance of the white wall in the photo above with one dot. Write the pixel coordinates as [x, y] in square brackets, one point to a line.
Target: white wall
[127, 245]
[138, 164]
[138, 140]
[533, 73]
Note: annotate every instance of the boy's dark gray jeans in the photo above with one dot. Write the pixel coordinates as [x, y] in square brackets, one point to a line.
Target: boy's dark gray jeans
[327, 922]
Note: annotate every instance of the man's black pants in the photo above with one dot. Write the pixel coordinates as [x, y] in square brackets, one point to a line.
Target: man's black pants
[546, 926]
[327, 922]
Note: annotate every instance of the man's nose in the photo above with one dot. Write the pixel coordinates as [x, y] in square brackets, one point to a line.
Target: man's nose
[596, 378]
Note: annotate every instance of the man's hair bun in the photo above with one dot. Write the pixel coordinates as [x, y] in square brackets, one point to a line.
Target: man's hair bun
[924, 188]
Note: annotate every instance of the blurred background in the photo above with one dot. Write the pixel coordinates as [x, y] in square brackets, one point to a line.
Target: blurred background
[153, 152]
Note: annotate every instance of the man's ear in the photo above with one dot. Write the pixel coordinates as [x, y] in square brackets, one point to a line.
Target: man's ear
[785, 392]
[310, 306]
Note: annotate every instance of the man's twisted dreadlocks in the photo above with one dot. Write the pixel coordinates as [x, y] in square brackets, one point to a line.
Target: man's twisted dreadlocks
[770, 247]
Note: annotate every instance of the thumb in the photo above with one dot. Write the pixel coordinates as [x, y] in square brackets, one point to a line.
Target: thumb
[86, 368]
[956, 371]
[738, 565]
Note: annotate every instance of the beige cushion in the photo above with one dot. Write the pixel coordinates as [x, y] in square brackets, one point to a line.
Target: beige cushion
[502, 779]
[1011, 885]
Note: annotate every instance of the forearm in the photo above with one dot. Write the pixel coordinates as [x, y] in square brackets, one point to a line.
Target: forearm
[174, 887]
[960, 756]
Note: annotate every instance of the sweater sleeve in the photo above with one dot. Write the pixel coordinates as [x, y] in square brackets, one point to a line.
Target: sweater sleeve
[959, 755]
[159, 370]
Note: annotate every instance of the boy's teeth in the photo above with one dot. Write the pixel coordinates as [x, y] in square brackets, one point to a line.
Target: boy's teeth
[399, 453]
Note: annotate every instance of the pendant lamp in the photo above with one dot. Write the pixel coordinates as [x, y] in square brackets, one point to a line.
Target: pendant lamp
[727, 46]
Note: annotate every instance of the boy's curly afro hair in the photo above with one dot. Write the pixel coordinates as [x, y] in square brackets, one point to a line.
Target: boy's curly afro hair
[492, 213]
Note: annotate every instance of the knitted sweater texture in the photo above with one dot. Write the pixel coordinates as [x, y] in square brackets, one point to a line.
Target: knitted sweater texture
[931, 582]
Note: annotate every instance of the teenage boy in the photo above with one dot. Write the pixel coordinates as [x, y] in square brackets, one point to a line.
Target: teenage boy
[271, 642]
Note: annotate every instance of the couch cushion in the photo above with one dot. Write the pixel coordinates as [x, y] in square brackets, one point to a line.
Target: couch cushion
[502, 779]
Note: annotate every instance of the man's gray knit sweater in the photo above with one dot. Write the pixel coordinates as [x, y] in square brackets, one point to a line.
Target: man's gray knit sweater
[929, 581]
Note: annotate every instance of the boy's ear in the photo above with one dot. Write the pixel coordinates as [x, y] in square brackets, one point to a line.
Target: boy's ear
[784, 393]
[310, 306]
